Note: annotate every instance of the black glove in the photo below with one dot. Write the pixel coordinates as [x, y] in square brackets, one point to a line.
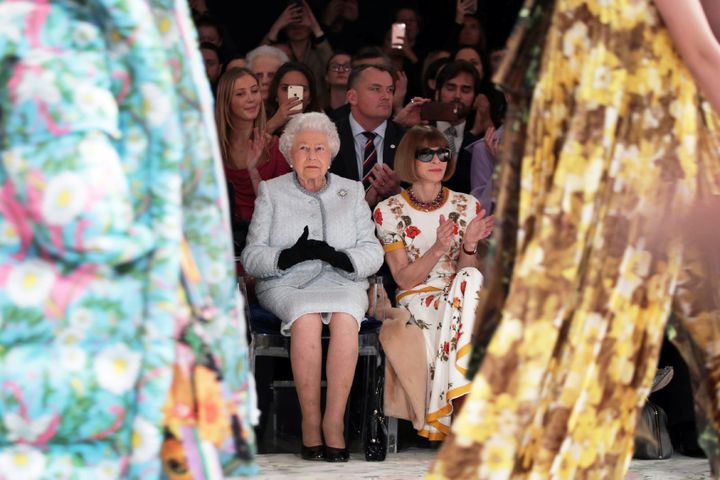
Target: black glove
[329, 255]
[297, 253]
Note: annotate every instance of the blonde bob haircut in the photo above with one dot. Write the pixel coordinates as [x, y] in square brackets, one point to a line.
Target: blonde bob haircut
[415, 138]
[223, 110]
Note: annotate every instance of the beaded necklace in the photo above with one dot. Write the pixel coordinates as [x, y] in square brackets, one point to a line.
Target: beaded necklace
[427, 206]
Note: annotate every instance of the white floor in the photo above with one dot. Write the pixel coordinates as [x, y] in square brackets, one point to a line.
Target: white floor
[413, 463]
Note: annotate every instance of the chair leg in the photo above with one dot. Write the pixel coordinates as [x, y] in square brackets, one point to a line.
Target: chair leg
[368, 390]
[392, 427]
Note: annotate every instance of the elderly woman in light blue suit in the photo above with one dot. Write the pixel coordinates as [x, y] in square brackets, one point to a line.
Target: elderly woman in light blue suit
[311, 246]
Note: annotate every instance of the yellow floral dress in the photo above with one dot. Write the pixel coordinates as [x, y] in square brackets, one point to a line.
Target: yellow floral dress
[616, 148]
[444, 305]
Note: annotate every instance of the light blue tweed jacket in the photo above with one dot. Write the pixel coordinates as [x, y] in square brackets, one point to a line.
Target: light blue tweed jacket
[337, 214]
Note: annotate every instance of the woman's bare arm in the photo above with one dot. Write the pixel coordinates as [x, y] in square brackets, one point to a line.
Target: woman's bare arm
[693, 37]
[712, 12]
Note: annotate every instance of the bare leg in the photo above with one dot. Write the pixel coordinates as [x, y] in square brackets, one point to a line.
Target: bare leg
[340, 370]
[306, 359]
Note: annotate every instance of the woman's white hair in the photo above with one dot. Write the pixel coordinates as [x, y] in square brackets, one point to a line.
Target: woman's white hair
[266, 51]
[316, 121]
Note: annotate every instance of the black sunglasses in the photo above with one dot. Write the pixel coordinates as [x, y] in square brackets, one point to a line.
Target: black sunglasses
[426, 155]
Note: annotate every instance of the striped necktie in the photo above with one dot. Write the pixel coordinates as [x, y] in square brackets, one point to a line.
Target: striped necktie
[369, 158]
[451, 134]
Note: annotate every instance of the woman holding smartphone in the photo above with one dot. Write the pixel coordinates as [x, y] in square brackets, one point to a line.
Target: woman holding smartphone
[300, 33]
[293, 90]
[430, 235]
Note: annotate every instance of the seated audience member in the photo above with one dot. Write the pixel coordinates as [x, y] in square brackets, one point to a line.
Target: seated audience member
[458, 82]
[234, 60]
[431, 73]
[264, 62]
[466, 29]
[430, 235]
[371, 56]
[305, 39]
[472, 54]
[412, 48]
[484, 154]
[336, 79]
[208, 30]
[471, 32]
[432, 56]
[375, 56]
[406, 73]
[368, 137]
[281, 107]
[311, 248]
[247, 156]
[497, 55]
[340, 19]
[365, 56]
[488, 101]
[213, 64]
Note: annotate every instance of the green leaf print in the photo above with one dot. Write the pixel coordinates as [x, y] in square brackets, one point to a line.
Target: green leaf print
[421, 323]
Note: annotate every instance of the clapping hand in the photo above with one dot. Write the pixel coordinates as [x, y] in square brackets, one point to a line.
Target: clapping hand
[492, 141]
[401, 82]
[257, 144]
[384, 180]
[444, 234]
[479, 227]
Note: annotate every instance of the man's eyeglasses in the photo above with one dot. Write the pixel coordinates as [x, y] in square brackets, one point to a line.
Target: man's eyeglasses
[340, 67]
[426, 155]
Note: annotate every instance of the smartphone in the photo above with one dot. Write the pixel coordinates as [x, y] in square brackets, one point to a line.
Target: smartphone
[397, 35]
[295, 91]
[439, 111]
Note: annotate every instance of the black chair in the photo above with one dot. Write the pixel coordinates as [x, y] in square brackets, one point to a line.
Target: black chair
[266, 341]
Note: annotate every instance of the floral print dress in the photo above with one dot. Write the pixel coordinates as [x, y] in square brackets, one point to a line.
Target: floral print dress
[108, 158]
[619, 147]
[444, 305]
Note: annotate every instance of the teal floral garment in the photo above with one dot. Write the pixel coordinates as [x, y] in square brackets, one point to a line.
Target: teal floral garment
[108, 158]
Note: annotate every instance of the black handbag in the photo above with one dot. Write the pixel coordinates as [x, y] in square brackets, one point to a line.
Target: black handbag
[376, 436]
[652, 441]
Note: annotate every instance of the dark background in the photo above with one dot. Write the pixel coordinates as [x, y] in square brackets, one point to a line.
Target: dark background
[248, 21]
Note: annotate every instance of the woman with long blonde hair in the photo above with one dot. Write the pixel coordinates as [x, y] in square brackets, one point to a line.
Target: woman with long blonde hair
[249, 155]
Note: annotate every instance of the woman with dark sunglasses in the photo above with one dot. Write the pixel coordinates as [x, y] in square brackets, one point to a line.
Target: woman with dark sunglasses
[430, 235]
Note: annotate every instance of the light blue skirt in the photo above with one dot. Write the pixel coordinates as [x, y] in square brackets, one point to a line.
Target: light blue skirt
[321, 296]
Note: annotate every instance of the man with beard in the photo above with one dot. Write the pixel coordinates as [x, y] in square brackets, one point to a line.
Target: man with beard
[367, 137]
[458, 83]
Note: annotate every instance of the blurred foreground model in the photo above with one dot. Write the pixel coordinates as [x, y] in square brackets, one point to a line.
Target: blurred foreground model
[610, 154]
[109, 166]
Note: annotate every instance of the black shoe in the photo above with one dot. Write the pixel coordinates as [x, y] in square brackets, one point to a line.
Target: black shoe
[314, 454]
[336, 454]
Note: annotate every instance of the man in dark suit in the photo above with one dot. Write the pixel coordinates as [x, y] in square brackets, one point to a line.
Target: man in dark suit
[368, 138]
[458, 82]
